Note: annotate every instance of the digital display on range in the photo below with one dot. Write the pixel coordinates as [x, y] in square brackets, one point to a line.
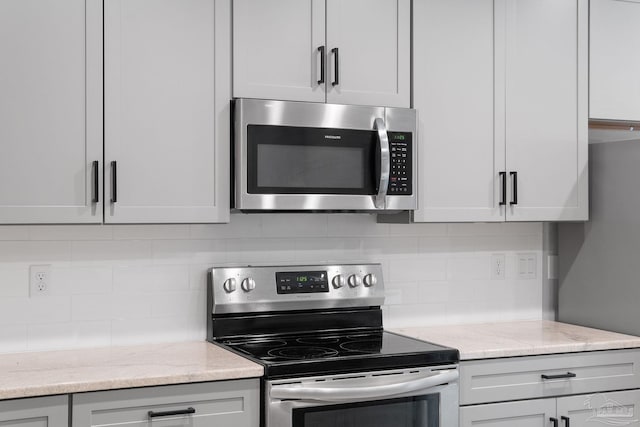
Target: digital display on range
[301, 282]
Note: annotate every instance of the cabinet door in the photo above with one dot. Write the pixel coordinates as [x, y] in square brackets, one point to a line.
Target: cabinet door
[167, 109]
[460, 153]
[611, 408]
[546, 92]
[373, 39]
[52, 411]
[614, 69]
[275, 49]
[525, 413]
[225, 403]
[50, 111]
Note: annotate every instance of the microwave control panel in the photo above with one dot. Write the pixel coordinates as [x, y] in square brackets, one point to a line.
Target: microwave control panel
[400, 179]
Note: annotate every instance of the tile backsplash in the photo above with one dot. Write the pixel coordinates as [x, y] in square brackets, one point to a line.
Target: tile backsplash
[128, 284]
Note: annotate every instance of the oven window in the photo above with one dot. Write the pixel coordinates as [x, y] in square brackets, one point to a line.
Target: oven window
[421, 411]
[296, 160]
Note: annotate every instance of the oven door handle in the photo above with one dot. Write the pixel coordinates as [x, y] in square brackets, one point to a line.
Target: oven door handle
[338, 394]
[384, 162]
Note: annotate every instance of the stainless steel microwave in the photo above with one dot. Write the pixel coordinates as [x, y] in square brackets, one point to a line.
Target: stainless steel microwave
[299, 156]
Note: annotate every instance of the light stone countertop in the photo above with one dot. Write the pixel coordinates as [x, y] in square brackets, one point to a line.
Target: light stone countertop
[72, 371]
[524, 338]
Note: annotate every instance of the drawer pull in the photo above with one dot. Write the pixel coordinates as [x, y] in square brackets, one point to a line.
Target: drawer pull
[554, 421]
[566, 420]
[558, 377]
[187, 411]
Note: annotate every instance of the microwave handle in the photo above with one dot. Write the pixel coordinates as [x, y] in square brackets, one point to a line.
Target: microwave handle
[346, 393]
[385, 164]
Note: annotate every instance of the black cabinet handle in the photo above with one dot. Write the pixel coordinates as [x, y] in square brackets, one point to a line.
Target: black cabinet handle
[554, 421]
[336, 67]
[187, 411]
[503, 177]
[558, 377]
[96, 188]
[322, 65]
[114, 182]
[566, 421]
[514, 199]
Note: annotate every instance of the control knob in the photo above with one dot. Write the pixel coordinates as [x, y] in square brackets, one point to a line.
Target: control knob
[338, 281]
[370, 280]
[229, 285]
[354, 280]
[248, 284]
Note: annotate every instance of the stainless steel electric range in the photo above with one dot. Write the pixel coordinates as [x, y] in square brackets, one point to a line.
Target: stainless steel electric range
[317, 329]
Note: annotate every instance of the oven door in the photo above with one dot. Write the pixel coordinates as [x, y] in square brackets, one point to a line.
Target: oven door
[415, 398]
[295, 156]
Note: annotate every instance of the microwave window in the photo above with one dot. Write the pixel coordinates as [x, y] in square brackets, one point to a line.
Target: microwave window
[312, 166]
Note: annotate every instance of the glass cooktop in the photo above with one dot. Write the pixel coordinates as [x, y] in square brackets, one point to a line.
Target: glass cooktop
[332, 353]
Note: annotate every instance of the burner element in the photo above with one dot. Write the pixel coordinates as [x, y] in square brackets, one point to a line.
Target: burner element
[318, 340]
[302, 352]
[363, 346]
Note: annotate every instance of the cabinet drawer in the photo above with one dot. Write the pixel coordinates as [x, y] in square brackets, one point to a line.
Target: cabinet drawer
[495, 380]
[50, 411]
[233, 403]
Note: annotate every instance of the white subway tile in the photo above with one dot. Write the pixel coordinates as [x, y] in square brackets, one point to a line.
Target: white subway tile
[49, 308]
[70, 232]
[328, 250]
[418, 229]
[178, 304]
[355, 225]
[91, 307]
[189, 251]
[13, 338]
[150, 279]
[418, 268]
[152, 330]
[24, 252]
[261, 251]
[240, 226]
[13, 311]
[389, 247]
[82, 280]
[150, 232]
[433, 292]
[469, 267]
[130, 306]
[111, 252]
[14, 281]
[53, 336]
[416, 315]
[294, 225]
[14, 232]
[198, 274]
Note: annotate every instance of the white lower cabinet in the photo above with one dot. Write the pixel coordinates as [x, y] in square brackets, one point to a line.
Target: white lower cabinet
[50, 411]
[221, 404]
[575, 389]
[613, 408]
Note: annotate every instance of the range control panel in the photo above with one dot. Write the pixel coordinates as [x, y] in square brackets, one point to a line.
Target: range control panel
[274, 288]
[400, 179]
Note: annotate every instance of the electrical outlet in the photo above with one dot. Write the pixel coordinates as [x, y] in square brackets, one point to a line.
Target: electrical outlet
[39, 280]
[527, 266]
[497, 266]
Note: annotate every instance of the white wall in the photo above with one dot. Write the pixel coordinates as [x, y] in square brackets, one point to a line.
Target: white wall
[115, 285]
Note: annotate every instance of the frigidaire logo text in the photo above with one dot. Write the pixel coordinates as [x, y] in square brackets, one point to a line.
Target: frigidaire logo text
[332, 137]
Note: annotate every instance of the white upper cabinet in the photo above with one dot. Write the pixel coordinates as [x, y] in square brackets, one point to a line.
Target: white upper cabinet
[369, 52]
[546, 120]
[614, 61]
[281, 51]
[501, 92]
[50, 111]
[460, 156]
[276, 52]
[167, 110]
